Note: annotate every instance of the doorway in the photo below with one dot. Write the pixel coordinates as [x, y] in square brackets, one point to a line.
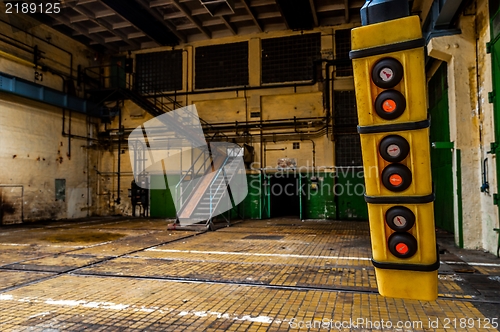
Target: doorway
[285, 198]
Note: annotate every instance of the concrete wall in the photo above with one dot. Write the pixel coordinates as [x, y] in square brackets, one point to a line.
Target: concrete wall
[33, 151]
[471, 123]
[489, 212]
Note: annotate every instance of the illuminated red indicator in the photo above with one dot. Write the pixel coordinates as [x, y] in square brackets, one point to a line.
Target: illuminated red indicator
[402, 248]
[396, 180]
[389, 105]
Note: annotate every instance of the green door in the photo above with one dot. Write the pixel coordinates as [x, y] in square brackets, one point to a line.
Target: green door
[162, 200]
[441, 158]
[494, 47]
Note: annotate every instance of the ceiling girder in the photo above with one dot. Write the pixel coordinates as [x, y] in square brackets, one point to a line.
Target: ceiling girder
[252, 15]
[347, 16]
[143, 20]
[229, 25]
[194, 20]
[167, 24]
[103, 23]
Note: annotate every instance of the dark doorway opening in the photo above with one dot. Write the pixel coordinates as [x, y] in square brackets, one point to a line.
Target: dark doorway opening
[285, 200]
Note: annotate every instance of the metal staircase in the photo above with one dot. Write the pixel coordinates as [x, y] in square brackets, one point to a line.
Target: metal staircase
[211, 195]
[203, 190]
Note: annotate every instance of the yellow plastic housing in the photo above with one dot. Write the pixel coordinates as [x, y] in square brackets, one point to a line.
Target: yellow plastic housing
[400, 283]
[407, 284]
[386, 33]
[418, 161]
[413, 83]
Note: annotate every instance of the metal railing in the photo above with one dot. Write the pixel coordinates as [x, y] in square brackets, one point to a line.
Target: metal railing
[113, 76]
[221, 184]
[184, 188]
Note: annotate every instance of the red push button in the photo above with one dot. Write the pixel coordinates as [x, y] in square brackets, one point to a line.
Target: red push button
[402, 248]
[396, 177]
[396, 180]
[389, 106]
[402, 245]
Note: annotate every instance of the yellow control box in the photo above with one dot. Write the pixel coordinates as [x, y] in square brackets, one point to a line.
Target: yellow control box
[389, 77]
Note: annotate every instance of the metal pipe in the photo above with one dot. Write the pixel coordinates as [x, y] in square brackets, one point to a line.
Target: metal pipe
[269, 86]
[313, 151]
[18, 60]
[12, 42]
[119, 155]
[69, 135]
[45, 41]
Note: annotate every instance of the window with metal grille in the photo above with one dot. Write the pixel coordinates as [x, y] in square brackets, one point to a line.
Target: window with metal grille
[220, 66]
[348, 150]
[342, 49]
[347, 143]
[345, 112]
[290, 59]
[159, 71]
[296, 145]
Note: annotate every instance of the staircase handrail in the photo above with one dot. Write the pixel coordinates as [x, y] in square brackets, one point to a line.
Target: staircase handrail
[178, 187]
[220, 171]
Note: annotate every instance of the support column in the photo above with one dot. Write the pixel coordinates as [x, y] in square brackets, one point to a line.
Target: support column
[458, 51]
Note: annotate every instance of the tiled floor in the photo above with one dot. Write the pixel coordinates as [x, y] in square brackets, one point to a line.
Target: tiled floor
[269, 275]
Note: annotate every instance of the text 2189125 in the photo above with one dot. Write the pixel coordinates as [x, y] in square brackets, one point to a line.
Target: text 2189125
[15, 7]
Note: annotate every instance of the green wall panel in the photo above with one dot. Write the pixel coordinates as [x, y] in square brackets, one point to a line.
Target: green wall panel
[319, 202]
[161, 201]
[250, 208]
[349, 188]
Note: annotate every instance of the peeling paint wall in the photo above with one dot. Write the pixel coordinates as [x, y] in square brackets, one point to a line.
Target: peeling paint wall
[33, 151]
[471, 122]
[489, 212]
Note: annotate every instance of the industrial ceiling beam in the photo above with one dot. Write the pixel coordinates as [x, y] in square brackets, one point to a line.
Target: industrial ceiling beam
[252, 15]
[168, 25]
[159, 3]
[347, 16]
[103, 23]
[313, 10]
[297, 14]
[195, 21]
[83, 31]
[228, 25]
[142, 19]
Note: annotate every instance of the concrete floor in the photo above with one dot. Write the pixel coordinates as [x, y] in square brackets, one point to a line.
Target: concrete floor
[112, 274]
